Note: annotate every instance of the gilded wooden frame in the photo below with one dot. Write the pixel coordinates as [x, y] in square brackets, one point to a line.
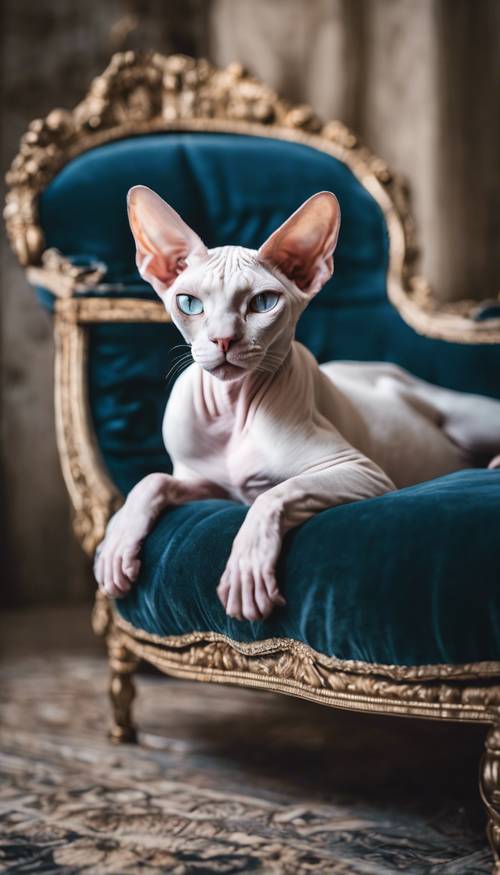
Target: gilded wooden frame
[147, 93]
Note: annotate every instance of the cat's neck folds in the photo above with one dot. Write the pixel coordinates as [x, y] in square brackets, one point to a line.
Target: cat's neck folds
[226, 397]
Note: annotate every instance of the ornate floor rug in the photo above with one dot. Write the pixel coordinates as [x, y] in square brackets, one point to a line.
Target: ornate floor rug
[226, 781]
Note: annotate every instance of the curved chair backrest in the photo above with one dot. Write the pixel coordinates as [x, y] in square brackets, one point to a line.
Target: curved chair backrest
[234, 161]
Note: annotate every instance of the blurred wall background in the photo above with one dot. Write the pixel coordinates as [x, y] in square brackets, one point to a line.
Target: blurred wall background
[418, 81]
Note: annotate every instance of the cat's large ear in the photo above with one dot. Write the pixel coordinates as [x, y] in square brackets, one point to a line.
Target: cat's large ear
[302, 248]
[163, 240]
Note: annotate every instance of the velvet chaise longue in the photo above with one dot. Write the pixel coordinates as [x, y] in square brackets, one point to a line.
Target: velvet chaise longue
[393, 602]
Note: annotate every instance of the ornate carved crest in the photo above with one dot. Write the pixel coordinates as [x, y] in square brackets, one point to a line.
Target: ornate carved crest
[137, 93]
[143, 93]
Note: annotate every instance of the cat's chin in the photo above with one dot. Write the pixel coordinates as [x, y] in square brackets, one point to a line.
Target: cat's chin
[228, 372]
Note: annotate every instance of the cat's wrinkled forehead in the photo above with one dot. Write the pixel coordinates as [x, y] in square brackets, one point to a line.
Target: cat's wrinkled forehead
[224, 261]
[229, 269]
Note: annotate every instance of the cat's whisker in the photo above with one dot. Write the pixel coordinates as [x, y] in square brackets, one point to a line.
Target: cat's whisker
[183, 360]
[180, 357]
[186, 357]
[174, 376]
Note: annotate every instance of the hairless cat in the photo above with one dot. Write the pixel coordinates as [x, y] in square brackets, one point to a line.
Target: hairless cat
[256, 419]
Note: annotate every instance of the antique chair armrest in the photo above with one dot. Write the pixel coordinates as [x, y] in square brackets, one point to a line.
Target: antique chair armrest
[94, 495]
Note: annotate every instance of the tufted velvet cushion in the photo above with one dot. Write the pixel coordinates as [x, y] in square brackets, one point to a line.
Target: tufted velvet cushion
[391, 578]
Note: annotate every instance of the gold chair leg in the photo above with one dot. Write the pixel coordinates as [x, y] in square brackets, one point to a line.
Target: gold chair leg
[121, 691]
[489, 782]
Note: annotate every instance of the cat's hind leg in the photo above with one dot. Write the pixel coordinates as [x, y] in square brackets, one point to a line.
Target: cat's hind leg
[472, 422]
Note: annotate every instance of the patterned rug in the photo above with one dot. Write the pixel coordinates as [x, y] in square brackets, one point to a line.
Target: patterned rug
[225, 781]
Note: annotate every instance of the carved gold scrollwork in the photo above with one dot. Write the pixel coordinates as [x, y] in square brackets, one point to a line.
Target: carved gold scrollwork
[289, 666]
[93, 494]
[137, 93]
[63, 277]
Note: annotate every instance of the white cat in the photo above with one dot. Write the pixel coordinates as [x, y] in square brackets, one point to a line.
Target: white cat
[256, 419]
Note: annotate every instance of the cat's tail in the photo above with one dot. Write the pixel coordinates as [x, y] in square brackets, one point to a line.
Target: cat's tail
[495, 463]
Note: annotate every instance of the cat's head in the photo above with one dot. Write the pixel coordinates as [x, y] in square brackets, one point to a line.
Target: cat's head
[237, 308]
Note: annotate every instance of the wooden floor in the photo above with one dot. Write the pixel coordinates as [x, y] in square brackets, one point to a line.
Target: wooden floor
[225, 781]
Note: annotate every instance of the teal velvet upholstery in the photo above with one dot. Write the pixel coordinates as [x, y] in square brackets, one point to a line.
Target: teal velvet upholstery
[408, 578]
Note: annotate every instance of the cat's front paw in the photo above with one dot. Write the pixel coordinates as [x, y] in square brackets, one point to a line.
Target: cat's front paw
[248, 588]
[117, 562]
[494, 464]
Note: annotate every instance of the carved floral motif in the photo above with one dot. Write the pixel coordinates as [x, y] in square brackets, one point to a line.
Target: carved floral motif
[293, 667]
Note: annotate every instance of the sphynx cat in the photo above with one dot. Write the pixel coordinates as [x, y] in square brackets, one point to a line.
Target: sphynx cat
[256, 419]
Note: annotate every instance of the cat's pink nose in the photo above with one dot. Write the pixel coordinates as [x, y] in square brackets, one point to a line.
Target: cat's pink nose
[224, 342]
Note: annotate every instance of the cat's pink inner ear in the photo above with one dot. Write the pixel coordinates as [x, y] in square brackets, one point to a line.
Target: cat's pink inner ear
[163, 240]
[302, 248]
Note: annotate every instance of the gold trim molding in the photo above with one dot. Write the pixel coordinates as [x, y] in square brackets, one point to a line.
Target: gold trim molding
[439, 671]
[97, 309]
[146, 93]
[463, 692]
[93, 494]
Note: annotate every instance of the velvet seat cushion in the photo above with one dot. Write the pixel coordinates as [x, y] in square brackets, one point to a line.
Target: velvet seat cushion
[409, 578]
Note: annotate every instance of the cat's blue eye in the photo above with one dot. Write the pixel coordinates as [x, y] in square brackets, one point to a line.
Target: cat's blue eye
[264, 301]
[189, 305]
